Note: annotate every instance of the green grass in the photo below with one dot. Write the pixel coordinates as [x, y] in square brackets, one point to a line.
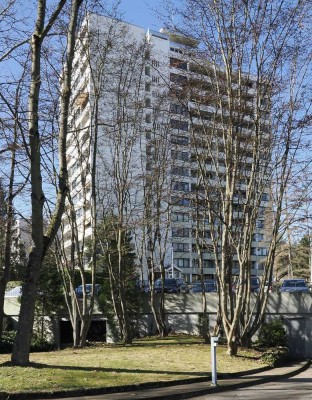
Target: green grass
[149, 360]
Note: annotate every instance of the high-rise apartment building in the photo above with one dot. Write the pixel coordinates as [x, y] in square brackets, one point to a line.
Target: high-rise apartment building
[144, 117]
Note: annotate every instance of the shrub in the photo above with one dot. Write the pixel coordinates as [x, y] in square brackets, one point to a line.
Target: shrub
[275, 357]
[273, 334]
[7, 341]
[40, 344]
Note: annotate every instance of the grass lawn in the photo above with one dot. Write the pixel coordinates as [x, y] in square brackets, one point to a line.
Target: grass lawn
[148, 360]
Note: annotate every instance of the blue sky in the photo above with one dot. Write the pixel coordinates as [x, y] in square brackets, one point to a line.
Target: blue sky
[140, 12]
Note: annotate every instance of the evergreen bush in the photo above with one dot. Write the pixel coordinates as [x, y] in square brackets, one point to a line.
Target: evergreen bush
[273, 334]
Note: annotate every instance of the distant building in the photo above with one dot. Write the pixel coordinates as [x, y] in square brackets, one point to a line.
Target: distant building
[21, 236]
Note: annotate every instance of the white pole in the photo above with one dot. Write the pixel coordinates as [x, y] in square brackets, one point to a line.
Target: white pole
[213, 345]
[191, 264]
[310, 254]
[172, 267]
[310, 250]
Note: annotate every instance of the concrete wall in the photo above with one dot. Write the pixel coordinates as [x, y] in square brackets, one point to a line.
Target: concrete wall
[182, 316]
[183, 311]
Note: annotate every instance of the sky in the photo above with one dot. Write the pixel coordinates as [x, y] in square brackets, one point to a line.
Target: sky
[140, 12]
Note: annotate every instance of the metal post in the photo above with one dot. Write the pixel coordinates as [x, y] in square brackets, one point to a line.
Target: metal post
[213, 345]
[191, 264]
[172, 267]
[310, 250]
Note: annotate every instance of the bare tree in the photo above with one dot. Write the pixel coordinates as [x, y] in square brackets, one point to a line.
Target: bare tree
[41, 240]
[157, 206]
[246, 97]
[11, 126]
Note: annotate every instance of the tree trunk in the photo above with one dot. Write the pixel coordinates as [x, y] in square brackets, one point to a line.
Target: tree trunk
[205, 321]
[232, 348]
[20, 355]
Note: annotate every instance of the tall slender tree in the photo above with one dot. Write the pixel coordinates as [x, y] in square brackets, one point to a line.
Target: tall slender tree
[42, 239]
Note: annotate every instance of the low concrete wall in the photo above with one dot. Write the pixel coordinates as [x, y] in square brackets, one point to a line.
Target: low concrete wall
[183, 311]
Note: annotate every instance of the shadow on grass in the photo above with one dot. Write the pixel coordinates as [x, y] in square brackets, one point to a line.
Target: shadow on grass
[255, 358]
[164, 343]
[118, 370]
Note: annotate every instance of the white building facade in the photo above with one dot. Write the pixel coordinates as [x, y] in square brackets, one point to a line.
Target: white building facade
[136, 138]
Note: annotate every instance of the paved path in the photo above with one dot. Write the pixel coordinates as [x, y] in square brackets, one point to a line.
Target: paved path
[298, 387]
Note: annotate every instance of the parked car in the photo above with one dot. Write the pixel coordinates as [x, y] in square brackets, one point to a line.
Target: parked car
[294, 285]
[79, 289]
[171, 285]
[209, 286]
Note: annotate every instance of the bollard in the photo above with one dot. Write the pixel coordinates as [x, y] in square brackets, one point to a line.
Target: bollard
[213, 344]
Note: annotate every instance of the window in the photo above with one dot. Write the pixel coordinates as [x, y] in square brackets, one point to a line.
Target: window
[181, 262]
[179, 79]
[147, 70]
[258, 237]
[202, 233]
[178, 109]
[205, 248]
[180, 232]
[264, 101]
[221, 163]
[155, 63]
[179, 155]
[148, 102]
[178, 201]
[176, 50]
[181, 140]
[147, 87]
[259, 251]
[206, 263]
[181, 186]
[177, 124]
[155, 79]
[148, 118]
[197, 188]
[260, 224]
[183, 247]
[176, 63]
[265, 197]
[180, 217]
[179, 170]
